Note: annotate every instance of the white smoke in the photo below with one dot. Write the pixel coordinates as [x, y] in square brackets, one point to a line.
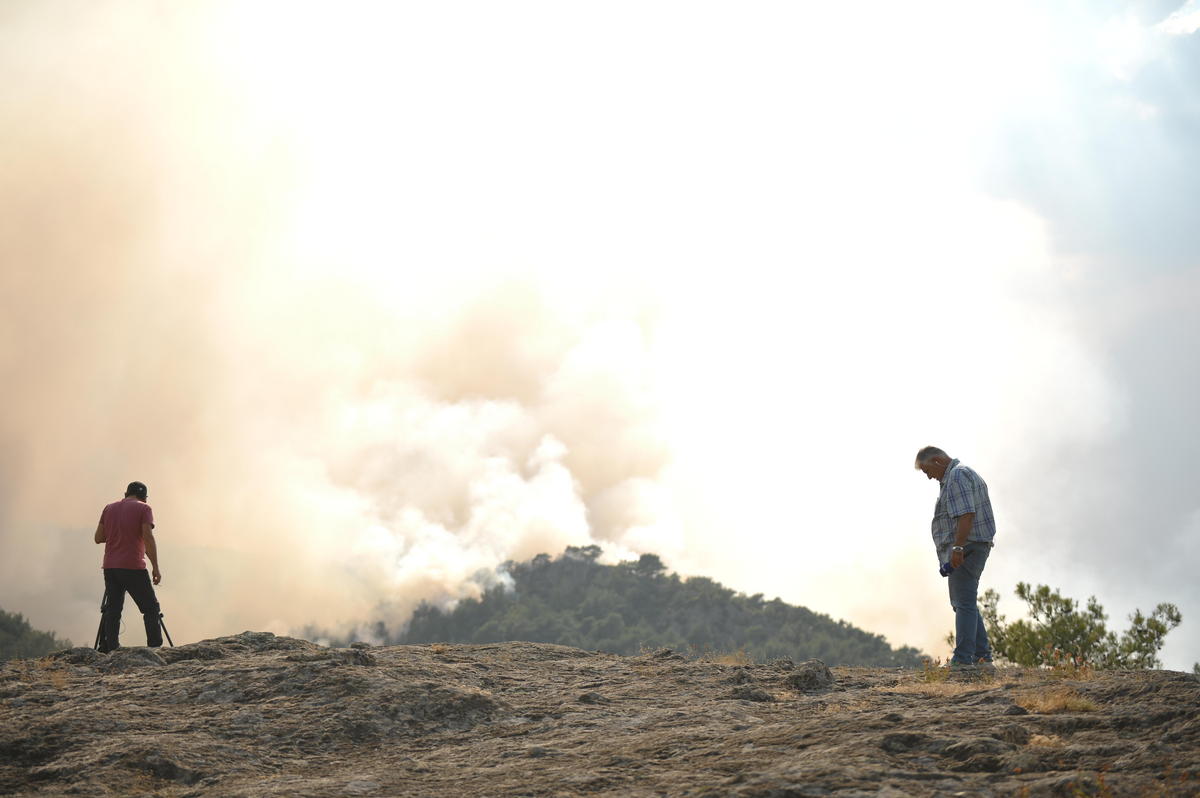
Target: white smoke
[378, 298]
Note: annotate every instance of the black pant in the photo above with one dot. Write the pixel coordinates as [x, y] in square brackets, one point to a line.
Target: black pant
[135, 581]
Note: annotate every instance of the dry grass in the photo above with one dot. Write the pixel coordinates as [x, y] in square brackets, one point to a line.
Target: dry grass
[1058, 664]
[1046, 741]
[739, 657]
[58, 679]
[42, 671]
[1056, 699]
[1073, 669]
[1082, 673]
[933, 671]
[941, 688]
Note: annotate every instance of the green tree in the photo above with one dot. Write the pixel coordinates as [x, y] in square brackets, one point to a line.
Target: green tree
[574, 600]
[649, 565]
[19, 640]
[1057, 630]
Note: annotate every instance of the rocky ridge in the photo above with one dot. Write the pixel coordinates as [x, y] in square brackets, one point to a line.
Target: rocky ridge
[260, 715]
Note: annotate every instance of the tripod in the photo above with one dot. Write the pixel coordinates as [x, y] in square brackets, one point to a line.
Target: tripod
[102, 641]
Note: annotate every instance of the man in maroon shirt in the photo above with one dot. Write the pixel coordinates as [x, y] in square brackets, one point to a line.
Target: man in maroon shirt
[126, 529]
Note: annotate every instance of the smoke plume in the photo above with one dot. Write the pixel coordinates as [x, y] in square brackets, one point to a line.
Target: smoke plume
[375, 297]
[316, 448]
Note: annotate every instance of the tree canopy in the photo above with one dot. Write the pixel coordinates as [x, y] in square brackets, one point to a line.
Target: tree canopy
[19, 640]
[1057, 631]
[624, 608]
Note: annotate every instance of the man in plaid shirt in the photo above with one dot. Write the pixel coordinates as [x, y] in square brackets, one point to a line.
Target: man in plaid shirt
[963, 530]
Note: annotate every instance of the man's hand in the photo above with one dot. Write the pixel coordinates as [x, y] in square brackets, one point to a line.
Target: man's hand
[956, 559]
[151, 551]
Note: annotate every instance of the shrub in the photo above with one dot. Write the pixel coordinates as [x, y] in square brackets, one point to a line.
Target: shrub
[1058, 632]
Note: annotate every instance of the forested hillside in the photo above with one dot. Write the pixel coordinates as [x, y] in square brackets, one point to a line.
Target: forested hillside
[574, 600]
[19, 640]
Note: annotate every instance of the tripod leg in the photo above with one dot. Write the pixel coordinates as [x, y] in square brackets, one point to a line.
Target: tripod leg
[100, 642]
[163, 624]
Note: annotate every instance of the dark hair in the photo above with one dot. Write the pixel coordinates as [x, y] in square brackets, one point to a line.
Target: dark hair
[137, 489]
[928, 453]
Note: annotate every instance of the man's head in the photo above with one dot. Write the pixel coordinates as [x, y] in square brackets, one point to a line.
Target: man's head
[136, 490]
[932, 462]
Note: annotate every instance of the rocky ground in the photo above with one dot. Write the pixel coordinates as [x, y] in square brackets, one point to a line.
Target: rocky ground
[260, 715]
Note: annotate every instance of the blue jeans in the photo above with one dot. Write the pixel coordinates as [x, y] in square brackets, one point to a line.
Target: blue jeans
[970, 638]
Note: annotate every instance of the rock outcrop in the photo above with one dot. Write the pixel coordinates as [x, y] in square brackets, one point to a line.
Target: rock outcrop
[260, 715]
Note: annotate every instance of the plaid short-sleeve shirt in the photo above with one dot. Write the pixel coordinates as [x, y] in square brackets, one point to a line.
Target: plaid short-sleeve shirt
[963, 491]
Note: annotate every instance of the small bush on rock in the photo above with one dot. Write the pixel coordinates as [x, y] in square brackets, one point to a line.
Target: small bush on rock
[1059, 635]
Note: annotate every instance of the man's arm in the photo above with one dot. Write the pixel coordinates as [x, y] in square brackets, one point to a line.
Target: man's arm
[962, 530]
[100, 536]
[151, 550]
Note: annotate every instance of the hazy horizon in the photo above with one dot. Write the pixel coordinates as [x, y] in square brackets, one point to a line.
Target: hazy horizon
[375, 298]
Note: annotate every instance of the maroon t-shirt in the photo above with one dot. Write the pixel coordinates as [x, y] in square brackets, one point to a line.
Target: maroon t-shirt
[122, 522]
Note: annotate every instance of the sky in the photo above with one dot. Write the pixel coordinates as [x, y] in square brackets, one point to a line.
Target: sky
[376, 297]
